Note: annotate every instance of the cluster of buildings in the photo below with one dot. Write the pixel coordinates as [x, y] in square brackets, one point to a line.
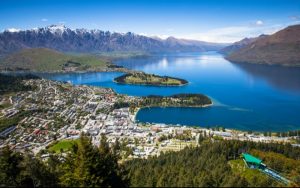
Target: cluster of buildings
[57, 111]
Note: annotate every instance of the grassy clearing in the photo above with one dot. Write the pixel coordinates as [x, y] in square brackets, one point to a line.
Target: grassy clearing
[251, 175]
[63, 145]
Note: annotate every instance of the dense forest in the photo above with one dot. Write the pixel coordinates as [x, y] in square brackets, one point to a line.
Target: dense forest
[85, 166]
[178, 100]
[209, 166]
[10, 83]
[206, 165]
[183, 100]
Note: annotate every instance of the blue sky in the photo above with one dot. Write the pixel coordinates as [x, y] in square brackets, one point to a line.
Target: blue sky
[210, 20]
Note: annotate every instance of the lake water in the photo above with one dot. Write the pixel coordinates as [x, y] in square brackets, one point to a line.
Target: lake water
[245, 96]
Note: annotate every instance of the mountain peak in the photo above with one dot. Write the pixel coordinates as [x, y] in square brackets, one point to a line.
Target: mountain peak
[60, 28]
[61, 38]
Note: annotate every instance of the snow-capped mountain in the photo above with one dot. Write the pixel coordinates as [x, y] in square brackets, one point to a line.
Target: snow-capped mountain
[62, 38]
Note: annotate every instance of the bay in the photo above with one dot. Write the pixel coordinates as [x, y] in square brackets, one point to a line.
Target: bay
[245, 96]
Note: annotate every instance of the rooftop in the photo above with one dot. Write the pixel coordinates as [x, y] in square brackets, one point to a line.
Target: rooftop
[251, 159]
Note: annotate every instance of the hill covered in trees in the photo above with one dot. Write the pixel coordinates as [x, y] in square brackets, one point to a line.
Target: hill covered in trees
[84, 166]
[10, 83]
[212, 164]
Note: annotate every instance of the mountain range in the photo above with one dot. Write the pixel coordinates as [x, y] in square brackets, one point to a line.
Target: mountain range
[63, 39]
[280, 48]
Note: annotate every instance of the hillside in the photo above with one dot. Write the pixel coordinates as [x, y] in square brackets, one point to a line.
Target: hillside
[61, 38]
[43, 59]
[238, 45]
[281, 48]
[212, 164]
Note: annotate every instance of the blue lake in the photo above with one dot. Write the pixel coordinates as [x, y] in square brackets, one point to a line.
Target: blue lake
[245, 96]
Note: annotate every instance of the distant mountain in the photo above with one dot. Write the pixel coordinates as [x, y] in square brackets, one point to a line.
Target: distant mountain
[43, 59]
[281, 48]
[240, 44]
[61, 38]
[189, 45]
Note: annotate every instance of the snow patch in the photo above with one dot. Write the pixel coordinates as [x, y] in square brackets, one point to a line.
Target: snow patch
[13, 30]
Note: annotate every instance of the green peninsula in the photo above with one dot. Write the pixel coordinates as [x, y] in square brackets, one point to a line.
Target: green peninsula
[140, 78]
[178, 100]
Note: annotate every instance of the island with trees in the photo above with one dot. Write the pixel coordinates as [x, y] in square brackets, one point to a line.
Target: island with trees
[141, 78]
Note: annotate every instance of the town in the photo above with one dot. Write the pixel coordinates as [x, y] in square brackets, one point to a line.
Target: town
[58, 111]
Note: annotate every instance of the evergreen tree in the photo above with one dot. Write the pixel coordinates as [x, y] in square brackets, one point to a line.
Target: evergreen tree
[89, 166]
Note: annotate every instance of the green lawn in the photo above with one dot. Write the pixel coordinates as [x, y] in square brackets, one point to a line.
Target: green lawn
[63, 145]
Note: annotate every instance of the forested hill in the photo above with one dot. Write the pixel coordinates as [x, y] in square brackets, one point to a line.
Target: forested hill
[212, 164]
[215, 164]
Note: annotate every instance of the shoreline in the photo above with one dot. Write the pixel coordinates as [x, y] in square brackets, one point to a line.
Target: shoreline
[123, 70]
[150, 84]
[139, 108]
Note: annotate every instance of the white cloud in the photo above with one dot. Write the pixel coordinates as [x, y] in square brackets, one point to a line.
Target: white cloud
[259, 23]
[44, 20]
[61, 22]
[234, 33]
[296, 17]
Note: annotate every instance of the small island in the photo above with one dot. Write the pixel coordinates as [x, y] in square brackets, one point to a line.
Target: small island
[140, 78]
